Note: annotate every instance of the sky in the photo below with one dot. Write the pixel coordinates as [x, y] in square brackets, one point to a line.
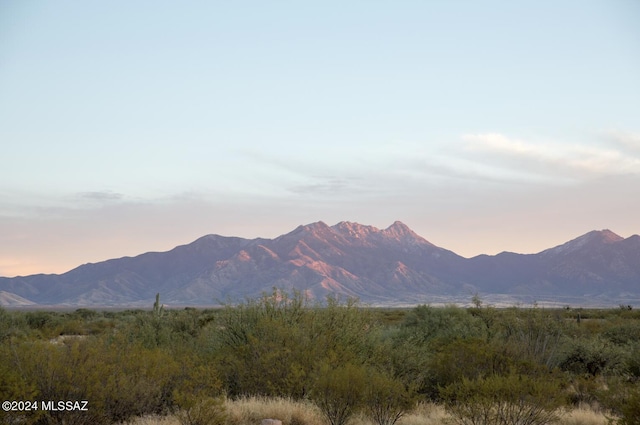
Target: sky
[128, 127]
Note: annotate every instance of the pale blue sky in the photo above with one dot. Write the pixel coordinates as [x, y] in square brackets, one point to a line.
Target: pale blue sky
[485, 126]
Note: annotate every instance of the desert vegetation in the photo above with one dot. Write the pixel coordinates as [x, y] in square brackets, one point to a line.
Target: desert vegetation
[333, 362]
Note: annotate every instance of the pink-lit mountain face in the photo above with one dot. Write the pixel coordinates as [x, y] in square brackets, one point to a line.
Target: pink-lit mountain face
[380, 266]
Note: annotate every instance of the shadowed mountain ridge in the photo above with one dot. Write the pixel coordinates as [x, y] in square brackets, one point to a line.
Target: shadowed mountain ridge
[380, 266]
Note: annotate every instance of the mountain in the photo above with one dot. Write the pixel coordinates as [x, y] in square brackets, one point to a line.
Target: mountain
[599, 263]
[379, 266]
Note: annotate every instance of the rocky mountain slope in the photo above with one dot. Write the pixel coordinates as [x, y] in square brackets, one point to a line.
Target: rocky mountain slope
[380, 266]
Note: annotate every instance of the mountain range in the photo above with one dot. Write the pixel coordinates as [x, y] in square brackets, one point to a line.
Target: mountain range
[392, 266]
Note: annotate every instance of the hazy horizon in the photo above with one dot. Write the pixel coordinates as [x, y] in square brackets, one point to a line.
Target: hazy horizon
[485, 127]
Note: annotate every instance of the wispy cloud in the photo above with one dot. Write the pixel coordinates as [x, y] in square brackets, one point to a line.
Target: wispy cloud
[560, 159]
[100, 196]
[625, 140]
[324, 185]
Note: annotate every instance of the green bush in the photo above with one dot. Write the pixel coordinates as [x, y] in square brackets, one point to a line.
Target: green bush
[200, 410]
[470, 359]
[630, 411]
[592, 357]
[339, 392]
[503, 400]
[623, 333]
[532, 334]
[633, 360]
[425, 324]
[271, 346]
[386, 399]
[583, 389]
[622, 398]
[14, 386]
[119, 380]
[265, 347]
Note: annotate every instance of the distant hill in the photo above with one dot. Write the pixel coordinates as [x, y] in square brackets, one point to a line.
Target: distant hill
[380, 266]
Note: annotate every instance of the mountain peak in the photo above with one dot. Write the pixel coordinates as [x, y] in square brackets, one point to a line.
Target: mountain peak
[597, 236]
[354, 229]
[608, 236]
[317, 225]
[311, 227]
[399, 228]
[593, 238]
[400, 231]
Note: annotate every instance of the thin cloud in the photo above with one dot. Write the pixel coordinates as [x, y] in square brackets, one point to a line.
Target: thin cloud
[324, 186]
[625, 140]
[100, 196]
[577, 161]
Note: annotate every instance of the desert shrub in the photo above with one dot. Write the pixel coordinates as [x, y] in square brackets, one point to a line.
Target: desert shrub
[272, 346]
[265, 347]
[470, 359]
[342, 330]
[200, 410]
[433, 345]
[583, 389]
[42, 323]
[630, 411]
[85, 314]
[339, 392]
[98, 326]
[238, 322]
[14, 386]
[195, 375]
[71, 327]
[424, 324]
[403, 361]
[39, 319]
[592, 357]
[633, 360]
[532, 334]
[138, 380]
[119, 380]
[5, 324]
[185, 325]
[386, 399]
[623, 333]
[623, 399]
[50, 369]
[503, 400]
[197, 392]
[12, 325]
[149, 329]
[488, 315]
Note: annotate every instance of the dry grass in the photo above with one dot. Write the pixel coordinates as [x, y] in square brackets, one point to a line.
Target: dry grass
[425, 414]
[583, 415]
[156, 420]
[251, 410]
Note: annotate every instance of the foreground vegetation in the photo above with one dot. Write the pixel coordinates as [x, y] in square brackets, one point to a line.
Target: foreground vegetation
[248, 411]
[327, 363]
